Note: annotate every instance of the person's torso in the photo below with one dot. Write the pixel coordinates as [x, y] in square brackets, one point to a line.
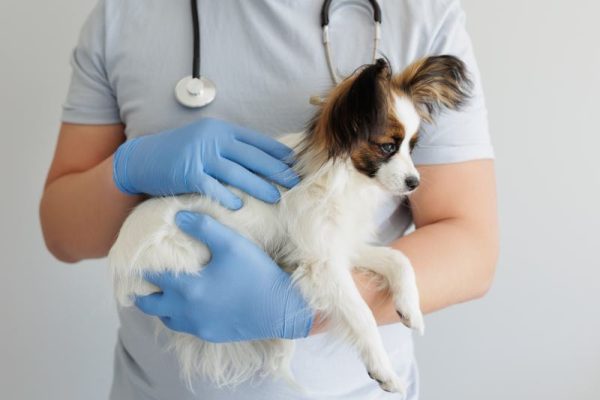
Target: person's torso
[266, 57]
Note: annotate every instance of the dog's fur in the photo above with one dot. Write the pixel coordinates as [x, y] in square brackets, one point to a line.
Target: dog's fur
[355, 149]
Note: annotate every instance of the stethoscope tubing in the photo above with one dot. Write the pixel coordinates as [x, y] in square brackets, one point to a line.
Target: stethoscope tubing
[197, 91]
[327, 5]
[327, 42]
[196, 25]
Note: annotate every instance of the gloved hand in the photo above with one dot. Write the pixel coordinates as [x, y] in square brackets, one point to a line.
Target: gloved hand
[241, 294]
[200, 157]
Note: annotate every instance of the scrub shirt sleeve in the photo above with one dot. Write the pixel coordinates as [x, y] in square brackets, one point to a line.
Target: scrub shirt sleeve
[90, 98]
[463, 135]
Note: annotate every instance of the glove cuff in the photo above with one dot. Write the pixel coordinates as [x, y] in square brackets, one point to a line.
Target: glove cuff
[299, 316]
[120, 160]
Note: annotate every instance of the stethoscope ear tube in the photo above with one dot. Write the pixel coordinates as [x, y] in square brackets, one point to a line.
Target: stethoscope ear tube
[326, 42]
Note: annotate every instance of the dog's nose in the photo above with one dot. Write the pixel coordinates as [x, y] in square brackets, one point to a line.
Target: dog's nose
[412, 182]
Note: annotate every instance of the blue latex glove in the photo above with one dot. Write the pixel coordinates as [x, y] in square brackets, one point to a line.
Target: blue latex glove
[241, 294]
[199, 158]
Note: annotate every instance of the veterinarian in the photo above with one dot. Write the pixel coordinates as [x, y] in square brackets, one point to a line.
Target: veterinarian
[266, 59]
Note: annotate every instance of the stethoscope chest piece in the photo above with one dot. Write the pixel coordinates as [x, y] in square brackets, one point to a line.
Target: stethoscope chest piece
[195, 92]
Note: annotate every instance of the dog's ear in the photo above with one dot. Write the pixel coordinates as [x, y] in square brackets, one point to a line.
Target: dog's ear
[434, 83]
[358, 108]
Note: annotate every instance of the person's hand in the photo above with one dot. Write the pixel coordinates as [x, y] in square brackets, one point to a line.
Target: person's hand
[241, 294]
[200, 158]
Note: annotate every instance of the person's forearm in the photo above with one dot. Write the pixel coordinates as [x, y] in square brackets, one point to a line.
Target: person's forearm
[81, 213]
[454, 262]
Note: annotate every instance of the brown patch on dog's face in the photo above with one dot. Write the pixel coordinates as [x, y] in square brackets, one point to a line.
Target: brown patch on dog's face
[369, 156]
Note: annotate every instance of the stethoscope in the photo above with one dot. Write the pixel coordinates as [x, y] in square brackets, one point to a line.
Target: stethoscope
[197, 91]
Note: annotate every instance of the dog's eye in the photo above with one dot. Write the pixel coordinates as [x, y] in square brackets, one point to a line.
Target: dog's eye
[388, 148]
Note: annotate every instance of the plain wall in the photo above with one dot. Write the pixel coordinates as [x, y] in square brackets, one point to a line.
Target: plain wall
[535, 336]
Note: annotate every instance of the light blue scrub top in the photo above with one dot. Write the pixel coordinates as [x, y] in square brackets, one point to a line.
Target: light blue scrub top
[266, 58]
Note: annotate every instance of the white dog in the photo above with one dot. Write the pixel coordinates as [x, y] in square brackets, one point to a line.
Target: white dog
[355, 150]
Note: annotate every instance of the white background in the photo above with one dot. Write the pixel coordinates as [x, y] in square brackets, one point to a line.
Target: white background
[535, 336]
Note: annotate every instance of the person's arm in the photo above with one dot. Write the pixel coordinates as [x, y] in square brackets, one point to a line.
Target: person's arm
[81, 210]
[454, 247]
[82, 195]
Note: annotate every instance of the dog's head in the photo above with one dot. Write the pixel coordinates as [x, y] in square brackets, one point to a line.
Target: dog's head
[372, 117]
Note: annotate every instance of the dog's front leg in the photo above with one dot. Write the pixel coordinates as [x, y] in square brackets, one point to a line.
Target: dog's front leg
[332, 289]
[396, 268]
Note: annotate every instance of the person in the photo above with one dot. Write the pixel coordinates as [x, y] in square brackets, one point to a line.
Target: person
[266, 59]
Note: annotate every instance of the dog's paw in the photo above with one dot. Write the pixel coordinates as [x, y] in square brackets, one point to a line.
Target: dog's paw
[409, 310]
[388, 382]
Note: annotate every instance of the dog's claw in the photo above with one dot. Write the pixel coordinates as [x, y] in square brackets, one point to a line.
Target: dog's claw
[413, 323]
[390, 386]
[375, 379]
[404, 320]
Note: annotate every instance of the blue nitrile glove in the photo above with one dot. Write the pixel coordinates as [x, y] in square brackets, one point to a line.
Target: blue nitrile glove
[199, 157]
[241, 294]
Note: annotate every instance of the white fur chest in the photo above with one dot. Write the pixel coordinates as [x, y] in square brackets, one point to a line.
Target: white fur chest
[328, 213]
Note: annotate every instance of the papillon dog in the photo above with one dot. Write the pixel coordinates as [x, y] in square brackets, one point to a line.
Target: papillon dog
[354, 152]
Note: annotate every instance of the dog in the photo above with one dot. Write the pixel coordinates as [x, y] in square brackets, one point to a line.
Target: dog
[355, 150]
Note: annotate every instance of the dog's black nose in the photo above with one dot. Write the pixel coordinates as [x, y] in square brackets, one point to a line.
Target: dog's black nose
[412, 182]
